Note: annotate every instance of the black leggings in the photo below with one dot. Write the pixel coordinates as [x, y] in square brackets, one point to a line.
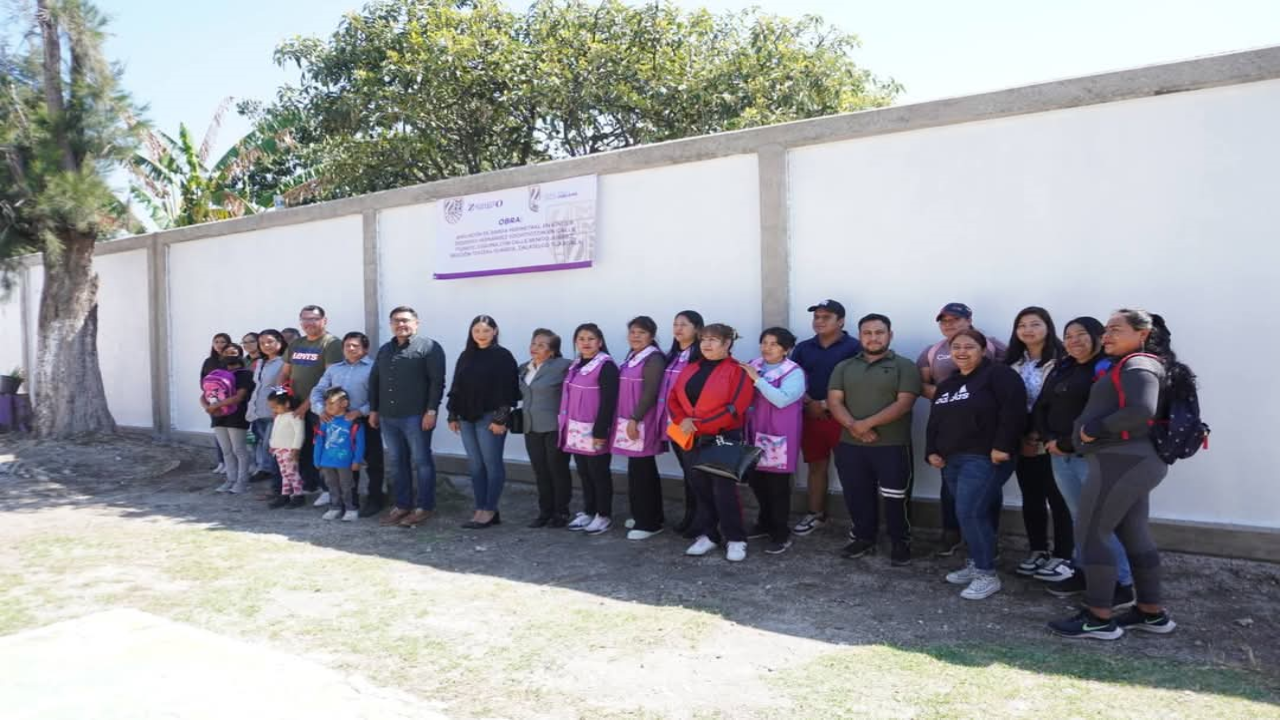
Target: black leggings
[644, 489]
[1040, 496]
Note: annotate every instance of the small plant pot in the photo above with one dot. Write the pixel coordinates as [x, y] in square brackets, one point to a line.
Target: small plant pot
[9, 385]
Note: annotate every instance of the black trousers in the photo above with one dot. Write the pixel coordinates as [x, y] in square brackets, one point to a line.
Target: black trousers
[306, 457]
[869, 473]
[373, 465]
[773, 495]
[1040, 496]
[551, 470]
[719, 514]
[644, 490]
[597, 483]
[690, 497]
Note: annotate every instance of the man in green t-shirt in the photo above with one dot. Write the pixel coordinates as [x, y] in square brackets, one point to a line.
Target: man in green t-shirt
[304, 363]
[871, 395]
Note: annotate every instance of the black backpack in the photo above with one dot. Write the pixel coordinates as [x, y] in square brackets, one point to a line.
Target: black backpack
[1178, 433]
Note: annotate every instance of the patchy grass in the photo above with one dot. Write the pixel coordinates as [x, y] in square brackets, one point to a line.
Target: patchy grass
[963, 681]
[438, 615]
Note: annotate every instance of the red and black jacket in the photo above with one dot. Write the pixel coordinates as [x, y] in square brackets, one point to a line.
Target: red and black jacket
[723, 403]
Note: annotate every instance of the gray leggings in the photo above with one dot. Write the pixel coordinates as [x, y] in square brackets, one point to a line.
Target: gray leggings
[1116, 499]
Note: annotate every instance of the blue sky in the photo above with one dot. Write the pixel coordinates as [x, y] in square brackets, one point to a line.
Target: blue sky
[182, 58]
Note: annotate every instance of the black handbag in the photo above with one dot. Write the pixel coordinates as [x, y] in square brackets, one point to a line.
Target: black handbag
[728, 459]
[731, 459]
[515, 422]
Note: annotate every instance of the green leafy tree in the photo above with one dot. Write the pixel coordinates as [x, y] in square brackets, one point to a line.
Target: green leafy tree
[409, 91]
[64, 124]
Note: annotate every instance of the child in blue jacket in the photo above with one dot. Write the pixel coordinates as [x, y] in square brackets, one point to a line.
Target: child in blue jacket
[339, 450]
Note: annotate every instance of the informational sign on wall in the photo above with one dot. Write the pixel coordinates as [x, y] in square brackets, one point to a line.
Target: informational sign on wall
[551, 226]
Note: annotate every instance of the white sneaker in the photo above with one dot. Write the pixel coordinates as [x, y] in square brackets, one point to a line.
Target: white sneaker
[736, 552]
[224, 487]
[351, 515]
[241, 487]
[599, 525]
[222, 468]
[322, 500]
[630, 523]
[964, 575]
[579, 522]
[642, 534]
[982, 586]
[333, 514]
[701, 546]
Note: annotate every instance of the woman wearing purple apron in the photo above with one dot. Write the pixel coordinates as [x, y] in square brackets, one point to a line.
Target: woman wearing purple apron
[774, 424]
[684, 350]
[587, 408]
[640, 426]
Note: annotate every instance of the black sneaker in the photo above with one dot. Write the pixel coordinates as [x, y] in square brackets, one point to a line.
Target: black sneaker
[260, 476]
[369, 507]
[777, 548]
[297, 501]
[756, 532]
[950, 543]
[1124, 597]
[540, 521]
[279, 502]
[1087, 625]
[558, 521]
[1073, 585]
[900, 555]
[1159, 623]
[857, 549]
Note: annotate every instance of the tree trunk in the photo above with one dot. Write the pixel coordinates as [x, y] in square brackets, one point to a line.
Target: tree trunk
[69, 396]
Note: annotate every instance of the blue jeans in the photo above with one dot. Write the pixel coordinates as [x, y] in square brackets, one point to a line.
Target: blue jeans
[404, 440]
[977, 484]
[263, 458]
[1070, 472]
[484, 461]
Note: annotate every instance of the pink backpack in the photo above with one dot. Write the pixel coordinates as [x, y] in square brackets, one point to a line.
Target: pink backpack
[218, 386]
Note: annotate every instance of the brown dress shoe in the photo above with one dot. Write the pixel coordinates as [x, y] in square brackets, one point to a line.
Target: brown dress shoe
[394, 517]
[416, 518]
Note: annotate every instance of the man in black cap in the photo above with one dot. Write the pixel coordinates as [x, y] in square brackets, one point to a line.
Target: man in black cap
[935, 366]
[818, 356]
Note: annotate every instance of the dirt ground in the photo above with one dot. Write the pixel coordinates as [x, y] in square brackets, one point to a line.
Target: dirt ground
[514, 622]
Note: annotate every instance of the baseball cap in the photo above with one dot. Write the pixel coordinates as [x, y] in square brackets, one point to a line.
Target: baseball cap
[955, 308]
[830, 306]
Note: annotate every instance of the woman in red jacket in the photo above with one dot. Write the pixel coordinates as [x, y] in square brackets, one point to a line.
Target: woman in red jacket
[710, 400]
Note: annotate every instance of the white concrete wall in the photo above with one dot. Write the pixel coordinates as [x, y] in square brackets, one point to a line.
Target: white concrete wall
[672, 238]
[1168, 203]
[124, 336]
[252, 281]
[11, 345]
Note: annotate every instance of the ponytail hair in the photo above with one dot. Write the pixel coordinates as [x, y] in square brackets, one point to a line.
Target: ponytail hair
[1179, 379]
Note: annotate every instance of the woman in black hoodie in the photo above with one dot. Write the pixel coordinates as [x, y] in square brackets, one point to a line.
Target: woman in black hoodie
[975, 428]
[1065, 393]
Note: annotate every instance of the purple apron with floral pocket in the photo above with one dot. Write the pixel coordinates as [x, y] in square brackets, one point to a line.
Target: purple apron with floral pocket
[775, 430]
[579, 405]
[652, 426]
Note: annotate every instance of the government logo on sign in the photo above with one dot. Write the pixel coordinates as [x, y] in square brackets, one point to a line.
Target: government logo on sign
[453, 209]
[535, 197]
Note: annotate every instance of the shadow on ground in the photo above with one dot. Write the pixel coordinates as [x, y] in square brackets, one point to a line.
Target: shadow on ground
[1227, 609]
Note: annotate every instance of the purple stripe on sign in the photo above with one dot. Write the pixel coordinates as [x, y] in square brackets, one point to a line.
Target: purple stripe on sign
[512, 271]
